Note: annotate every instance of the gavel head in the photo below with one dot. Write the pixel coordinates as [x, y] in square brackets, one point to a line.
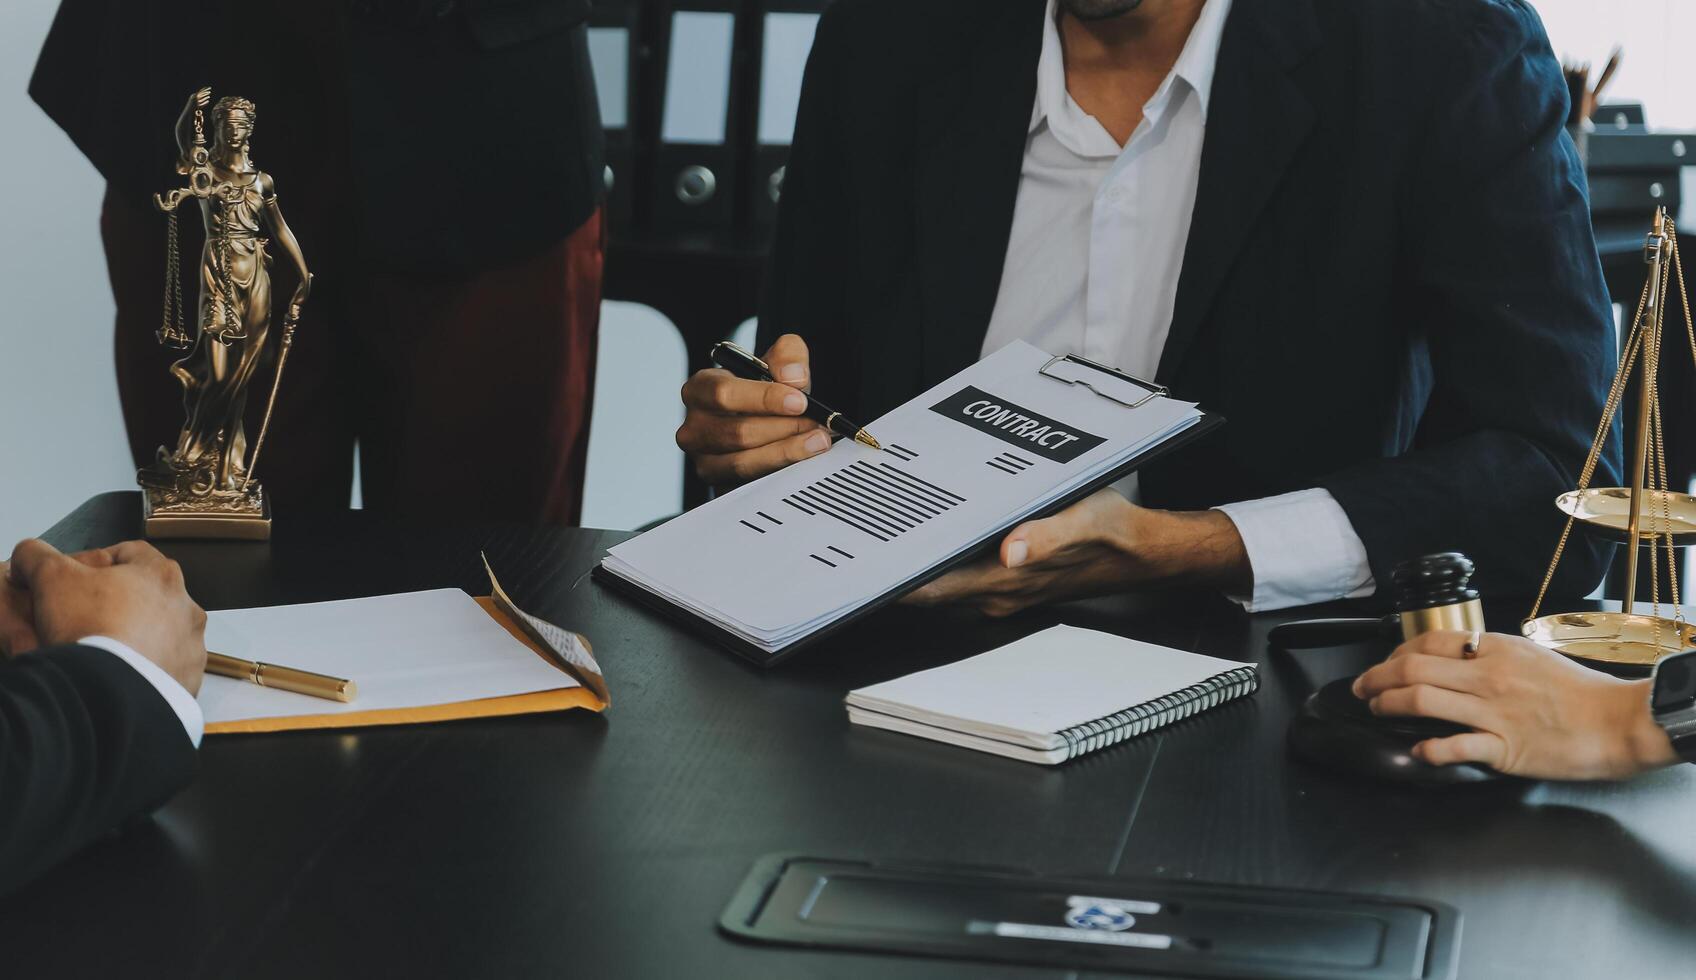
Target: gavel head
[1432, 594]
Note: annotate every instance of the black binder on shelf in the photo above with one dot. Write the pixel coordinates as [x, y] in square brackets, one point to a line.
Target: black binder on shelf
[615, 52]
[1632, 194]
[1620, 116]
[694, 180]
[1613, 151]
[1632, 170]
[1073, 370]
[786, 38]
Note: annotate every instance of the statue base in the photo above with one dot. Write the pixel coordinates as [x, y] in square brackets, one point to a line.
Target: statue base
[222, 514]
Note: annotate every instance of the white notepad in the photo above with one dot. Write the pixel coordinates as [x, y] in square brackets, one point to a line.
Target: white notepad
[1053, 695]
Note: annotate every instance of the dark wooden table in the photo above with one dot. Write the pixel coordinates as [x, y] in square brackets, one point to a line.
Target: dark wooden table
[606, 846]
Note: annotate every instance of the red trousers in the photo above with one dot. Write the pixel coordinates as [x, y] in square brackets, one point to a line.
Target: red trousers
[468, 398]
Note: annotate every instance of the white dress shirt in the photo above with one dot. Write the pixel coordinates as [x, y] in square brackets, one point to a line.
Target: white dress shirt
[183, 703]
[1092, 267]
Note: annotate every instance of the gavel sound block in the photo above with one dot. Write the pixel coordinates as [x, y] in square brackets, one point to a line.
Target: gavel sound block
[1337, 730]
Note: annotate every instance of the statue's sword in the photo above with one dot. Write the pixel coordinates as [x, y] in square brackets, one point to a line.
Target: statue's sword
[289, 324]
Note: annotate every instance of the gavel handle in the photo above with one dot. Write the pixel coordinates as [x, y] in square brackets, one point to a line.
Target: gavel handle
[1304, 634]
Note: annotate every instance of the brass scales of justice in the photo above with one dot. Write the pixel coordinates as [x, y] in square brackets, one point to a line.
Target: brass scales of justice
[1648, 515]
[204, 486]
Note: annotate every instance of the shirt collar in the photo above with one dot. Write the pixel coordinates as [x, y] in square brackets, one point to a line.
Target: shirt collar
[1194, 66]
[1200, 56]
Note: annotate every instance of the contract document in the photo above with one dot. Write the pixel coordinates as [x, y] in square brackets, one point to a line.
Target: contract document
[1018, 435]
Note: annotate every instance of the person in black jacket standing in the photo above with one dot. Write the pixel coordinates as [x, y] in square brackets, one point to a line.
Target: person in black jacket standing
[101, 655]
[442, 160]
[1356, 230]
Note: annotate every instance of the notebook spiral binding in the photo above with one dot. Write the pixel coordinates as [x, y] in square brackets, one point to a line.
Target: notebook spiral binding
[1145, 717]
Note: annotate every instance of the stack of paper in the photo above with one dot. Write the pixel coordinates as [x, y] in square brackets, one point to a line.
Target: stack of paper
[781, 558]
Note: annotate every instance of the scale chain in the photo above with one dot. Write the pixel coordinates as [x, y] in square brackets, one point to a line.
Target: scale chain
[1690, 334]
[171, 333]
[1616, 394]
[1657, 450]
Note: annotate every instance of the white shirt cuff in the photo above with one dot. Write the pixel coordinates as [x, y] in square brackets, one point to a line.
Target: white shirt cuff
[175, 695]
[1302, 549]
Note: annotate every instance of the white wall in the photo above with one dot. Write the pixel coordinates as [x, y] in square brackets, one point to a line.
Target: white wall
[1657, 68]
[61, 439]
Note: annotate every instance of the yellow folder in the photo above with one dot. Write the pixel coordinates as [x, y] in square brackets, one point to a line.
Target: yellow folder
[544, 639]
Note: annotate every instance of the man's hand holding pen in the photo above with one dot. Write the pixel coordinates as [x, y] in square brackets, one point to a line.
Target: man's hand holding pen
[736, 430]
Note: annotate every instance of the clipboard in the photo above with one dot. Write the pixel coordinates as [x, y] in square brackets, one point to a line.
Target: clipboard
[1096, 925]
[1065, 369]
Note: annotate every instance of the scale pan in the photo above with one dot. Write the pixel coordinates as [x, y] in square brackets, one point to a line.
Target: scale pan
[1618, 642]
[1607, 511]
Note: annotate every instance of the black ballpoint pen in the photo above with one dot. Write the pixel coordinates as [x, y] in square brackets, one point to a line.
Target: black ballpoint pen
[748, 367]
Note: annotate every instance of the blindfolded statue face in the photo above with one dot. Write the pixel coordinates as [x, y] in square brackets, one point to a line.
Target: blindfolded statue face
[234, 128]
[1098, 9]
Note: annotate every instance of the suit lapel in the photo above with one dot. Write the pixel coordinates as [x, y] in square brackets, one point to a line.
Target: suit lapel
[1257, 119]
[973, 120]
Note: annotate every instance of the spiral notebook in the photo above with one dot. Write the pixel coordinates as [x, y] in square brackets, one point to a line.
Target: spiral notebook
[1054, 695]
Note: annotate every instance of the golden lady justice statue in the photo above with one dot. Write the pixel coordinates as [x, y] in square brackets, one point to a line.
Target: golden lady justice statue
[205, 488]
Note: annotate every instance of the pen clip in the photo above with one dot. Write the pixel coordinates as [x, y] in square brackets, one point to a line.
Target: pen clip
[1153, 390]
[739, 349]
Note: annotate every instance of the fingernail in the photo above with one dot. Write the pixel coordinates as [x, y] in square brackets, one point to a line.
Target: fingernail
[818, 442]
[1017, 552]
[1355, 687]
[791, 372]
[794, 403]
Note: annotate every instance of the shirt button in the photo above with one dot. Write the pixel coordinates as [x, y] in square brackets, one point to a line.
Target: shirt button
[1116, 195]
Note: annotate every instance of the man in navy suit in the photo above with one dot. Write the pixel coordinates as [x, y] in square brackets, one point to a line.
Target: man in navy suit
[1356, 230]
[101, 655]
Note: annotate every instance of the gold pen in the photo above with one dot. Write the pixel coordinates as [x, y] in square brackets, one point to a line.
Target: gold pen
[282, 678]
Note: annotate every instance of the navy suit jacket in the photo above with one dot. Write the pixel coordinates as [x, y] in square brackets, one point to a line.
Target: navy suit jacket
[421, 108]
[85, 743]
[1390, 289]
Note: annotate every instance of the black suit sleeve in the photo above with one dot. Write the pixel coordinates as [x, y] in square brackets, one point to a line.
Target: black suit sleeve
[85, 742]
[801, 295]
[1517, 323]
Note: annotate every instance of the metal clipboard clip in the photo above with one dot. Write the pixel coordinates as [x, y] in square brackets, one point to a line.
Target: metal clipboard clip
[1150, 390]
